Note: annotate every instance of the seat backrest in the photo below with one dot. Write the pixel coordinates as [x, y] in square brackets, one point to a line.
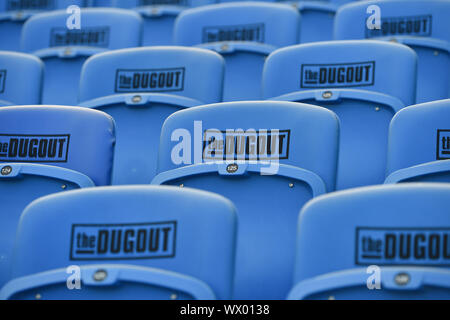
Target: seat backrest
[142, 3]
[181, 230]
[270, 23]
[415, 18]
[65, 50]
[45, 150]
[317, 19]
[395, 225]
[75, 138]
[419, 134]
[422, 25]
[358, 83]
[355, 65]
[268, 158]
[189, 72]
[140, 88]
[101, 3]
[296, 124]
[107, 28]
[14, 13]
[14, 87]
[159, 17]
[244, 33]
[46, 5]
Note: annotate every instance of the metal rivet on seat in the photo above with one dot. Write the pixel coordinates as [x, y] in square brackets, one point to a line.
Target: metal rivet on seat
[393, 40]
[181, 185]
[38, 296]
[224, 47]
[136, 99]
[154, 11]
[331, 298]
[173, 296]
[19, 15]
[291, 185]
[6, 170]
[402, 279]
[327, 94]
[232, 168]
[377, 108]
[63, 186]
[100, 275]
[436, 53]
[67, 52]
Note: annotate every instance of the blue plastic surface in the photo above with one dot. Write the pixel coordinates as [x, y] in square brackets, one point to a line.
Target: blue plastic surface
[70, 137]
[396, 283]
[193, 236]
[140, 88]
[20, 79]
[122, 282]
[64, 51]
[419, 144]
[14, 13]
[268, 191]
[21, 183]
[421, 24]
[356, 83]
[404, 225]
[159, 17]
[244, 33]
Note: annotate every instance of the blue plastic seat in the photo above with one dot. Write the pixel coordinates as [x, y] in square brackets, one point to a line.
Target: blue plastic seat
[140, 88]
[269, 158]
[159, 17]
[14, 13]
[132, 242]
[364, 82]
[15, 89]
[421, 24]
[45, 150]
[244, 34]
[396, 283]
[64, 51]
[419, 144]
[403, 226]
[317, 18]
[101, 3]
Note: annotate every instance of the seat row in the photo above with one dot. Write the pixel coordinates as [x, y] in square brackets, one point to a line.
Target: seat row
[244, 34]
[147, 242]
[268, 157]
[159, 16]
[141, 87]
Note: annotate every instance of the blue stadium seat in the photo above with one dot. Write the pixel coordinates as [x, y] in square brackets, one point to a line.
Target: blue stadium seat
[46, 150]
[403, 226]
[132, 242]
[140, 88]
[269, 158]
[64, 51]
[419, 144]
[101, 3]
[159, 17]
[15, 88]
[244, 34]
[396, 283]
[317, 18]
[14, 13]
[364, 82]
[421, 24]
